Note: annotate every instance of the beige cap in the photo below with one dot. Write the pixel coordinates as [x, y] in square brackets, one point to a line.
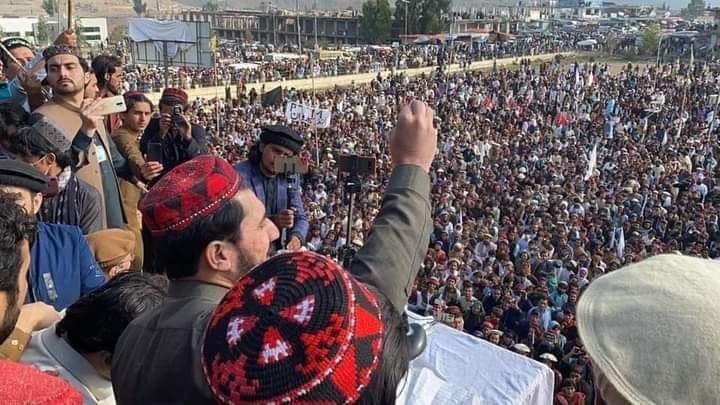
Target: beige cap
[111, 246]
[521, 348]
[651, 328]
[549, 356]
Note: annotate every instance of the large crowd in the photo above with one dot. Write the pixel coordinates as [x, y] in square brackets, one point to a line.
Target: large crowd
[241, 64]
[547, 177]
[521, 224]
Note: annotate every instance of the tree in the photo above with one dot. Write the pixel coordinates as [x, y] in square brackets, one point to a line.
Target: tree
[376, 21]
[247, 36]
[50, 7]
[118, 34]
[213, 41]
[42, 31]
[651, 39]
[434, 16]
[410, 9]
[424, 16]
[210, 6]
[139, 7]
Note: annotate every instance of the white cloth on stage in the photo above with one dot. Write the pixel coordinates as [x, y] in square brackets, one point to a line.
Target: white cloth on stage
[176, 34]
[457, 368]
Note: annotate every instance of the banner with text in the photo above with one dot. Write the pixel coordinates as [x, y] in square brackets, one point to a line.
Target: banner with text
[314, 116]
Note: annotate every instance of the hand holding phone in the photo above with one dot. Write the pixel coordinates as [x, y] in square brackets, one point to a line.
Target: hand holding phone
[151, 170]
[154, 153]
[111, 105]
[89, 115]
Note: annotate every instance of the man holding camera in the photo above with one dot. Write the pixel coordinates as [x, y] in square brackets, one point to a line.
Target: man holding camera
[280, 192]
[171, 139]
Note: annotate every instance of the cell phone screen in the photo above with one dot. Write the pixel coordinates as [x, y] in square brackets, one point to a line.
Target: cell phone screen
[154, 152]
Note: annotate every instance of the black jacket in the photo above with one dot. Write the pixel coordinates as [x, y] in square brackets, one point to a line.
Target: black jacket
[175, 149]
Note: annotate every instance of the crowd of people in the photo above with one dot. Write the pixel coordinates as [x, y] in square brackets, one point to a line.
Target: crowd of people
[240, 65]
[545, 178]
[522, 225]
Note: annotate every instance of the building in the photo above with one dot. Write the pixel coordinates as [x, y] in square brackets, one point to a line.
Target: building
[91, 31]
[279, 27]
[94, 31]
[695, 9]
[710, 16]
[18, 27]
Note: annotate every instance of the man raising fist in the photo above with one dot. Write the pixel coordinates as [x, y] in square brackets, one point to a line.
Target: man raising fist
[391, 257]
[382, 273]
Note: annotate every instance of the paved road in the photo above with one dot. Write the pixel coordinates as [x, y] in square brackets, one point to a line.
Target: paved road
[346, 80]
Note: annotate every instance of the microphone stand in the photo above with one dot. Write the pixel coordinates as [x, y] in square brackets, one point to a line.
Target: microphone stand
[288, 173]
[353, 186]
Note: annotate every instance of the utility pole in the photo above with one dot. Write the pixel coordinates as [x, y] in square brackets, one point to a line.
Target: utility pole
[274, 27]
[297, 24]
[407, 3]
[406, 18]
[61, 24]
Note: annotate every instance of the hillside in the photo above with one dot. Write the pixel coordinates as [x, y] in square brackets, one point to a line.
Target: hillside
[123, 8]
[83, 8]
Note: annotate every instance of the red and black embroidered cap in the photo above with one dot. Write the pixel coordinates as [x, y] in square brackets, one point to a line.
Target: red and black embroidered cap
[172, 96]
[298, 328]
[192, 190]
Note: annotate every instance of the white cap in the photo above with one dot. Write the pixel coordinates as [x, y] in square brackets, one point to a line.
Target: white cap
[656, 340]
[521, 348]
[549, 356]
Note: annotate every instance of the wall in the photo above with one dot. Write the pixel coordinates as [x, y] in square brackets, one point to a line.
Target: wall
[18, 26]
[95, 30]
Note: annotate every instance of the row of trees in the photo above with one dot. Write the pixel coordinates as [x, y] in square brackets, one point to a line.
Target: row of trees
[378, 24]
[51, 7]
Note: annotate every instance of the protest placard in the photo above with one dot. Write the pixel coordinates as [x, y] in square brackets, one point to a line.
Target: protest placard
[317, 117]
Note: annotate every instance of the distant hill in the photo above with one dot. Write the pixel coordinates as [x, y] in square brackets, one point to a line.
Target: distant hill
[123, 8]
[83, 8]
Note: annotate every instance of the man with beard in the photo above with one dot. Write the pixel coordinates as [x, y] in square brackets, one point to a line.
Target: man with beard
[26, 89]
[177, 139]
[109, 73]
[209, 230]
[284, 203]
[99, 163]
[205, 230]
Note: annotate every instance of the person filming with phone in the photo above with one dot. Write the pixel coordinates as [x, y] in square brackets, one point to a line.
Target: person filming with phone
[280, 192]
[171, 139]
[95, 157]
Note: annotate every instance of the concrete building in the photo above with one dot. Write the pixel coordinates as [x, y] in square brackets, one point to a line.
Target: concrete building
[93, 31]
[279, 27]
[18, 27]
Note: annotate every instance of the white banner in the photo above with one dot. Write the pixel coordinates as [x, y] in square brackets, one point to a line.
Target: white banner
[317, 117]
[592, 162]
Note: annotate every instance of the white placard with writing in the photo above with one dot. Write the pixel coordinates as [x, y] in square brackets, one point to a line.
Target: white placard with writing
[317, 117]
